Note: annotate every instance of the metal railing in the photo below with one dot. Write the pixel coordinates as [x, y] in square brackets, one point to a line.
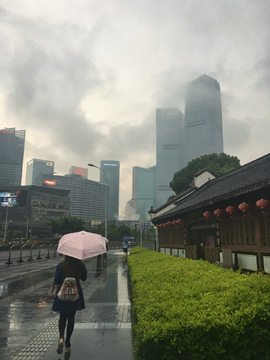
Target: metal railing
[27, 252]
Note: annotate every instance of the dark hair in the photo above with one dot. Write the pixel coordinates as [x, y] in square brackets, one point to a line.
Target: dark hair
[71, 267]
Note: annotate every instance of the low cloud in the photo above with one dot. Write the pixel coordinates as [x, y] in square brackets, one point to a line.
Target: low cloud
[84, 80]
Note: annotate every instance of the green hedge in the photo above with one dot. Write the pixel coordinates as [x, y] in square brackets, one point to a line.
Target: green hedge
[186, 309]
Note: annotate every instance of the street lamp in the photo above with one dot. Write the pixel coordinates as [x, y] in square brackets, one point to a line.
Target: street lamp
[6, 225]
[151, 212]
[106, 212]
[27, 221]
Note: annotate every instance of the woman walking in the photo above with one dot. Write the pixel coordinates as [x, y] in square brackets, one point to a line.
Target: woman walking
[70, 267]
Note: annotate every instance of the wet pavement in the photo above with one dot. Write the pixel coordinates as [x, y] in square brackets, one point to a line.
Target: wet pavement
[29, 329]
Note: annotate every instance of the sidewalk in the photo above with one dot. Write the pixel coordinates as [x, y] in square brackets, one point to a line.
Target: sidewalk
[102, 330]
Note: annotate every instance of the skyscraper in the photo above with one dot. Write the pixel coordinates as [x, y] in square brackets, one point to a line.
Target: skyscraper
[169, 133]
[36, 167]
[87, 197]
[203, 119]
[11, 156]
[143, 190]
[112, 169]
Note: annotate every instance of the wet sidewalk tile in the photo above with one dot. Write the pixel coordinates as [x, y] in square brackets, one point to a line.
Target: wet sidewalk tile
[29, 329]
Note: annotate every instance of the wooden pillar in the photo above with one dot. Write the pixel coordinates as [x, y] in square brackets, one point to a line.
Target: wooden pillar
[258, 236]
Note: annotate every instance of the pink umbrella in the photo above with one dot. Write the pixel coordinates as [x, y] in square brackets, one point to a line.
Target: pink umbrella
[82, 245]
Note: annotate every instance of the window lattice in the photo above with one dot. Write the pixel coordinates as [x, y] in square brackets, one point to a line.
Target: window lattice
[174, 235]
[265, 229]
[178, 235]
[231, 232]
[238, 231]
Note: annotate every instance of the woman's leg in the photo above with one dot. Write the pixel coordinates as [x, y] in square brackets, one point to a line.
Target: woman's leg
[70, 327]
[62, 324]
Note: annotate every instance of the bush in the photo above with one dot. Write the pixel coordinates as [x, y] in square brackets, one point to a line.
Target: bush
[186, 309]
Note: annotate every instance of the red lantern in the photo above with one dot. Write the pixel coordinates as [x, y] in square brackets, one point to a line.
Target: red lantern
[218, 213]
[157, 226]
[169, 223]
[174, 222]
[179, 221]
[262, 204]
[164, 225]
[207, 214]
[231, 209]
[244, 207]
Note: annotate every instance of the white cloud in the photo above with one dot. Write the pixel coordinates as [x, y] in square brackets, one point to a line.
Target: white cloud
[84, 78]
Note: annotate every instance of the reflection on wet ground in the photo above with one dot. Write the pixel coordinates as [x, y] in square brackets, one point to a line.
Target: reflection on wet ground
[22, 284]
[25, 308]
[28, 326]
[103, 329]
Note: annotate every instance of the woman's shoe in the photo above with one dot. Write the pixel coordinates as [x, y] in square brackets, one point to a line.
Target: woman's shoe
[67, 355]
[67, 349]
[60, 346]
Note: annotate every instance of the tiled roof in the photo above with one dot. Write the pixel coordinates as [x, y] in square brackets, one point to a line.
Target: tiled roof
[252, 175]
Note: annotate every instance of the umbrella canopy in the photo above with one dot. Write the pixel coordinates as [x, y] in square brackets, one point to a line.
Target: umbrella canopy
[82, 245]
[127, 239]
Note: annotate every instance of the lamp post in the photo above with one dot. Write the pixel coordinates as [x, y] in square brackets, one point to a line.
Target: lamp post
[6, 225]
[151, 212]
[27, 221]
[106, 212]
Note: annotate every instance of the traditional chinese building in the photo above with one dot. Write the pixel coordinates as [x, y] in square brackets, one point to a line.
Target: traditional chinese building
[225, 220]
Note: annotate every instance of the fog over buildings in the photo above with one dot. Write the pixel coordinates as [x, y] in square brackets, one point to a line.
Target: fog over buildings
[85, 79]
[169, 150]
[179, 139]
[109, 174]
[203, 119]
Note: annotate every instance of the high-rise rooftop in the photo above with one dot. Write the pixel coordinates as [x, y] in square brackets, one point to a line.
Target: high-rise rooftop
[11, 156]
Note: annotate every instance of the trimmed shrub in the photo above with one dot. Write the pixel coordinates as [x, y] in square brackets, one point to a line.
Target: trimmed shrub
[192, 310]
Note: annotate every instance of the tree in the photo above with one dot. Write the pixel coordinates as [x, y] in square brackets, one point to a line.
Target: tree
[66, 225]
[114, 233]
[217, 163]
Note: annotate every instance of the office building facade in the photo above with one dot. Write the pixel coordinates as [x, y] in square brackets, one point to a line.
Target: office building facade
[79, 171]
[29, 208]
[87, 197]
[11, 156]
[203, 119]
[169, 145]
[36, 167]
[112, 170]
[143, 191]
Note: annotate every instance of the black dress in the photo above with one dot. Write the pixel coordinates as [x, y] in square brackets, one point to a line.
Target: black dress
[69, 306]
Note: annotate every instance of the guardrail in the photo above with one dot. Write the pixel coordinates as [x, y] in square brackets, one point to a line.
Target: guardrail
[30, 252]
[27, 252]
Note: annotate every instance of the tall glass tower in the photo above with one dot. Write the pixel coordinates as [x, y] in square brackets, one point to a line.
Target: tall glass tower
[11, 156]
[112, 170]
[36, 167]
[169, 156]
[143, 190]
[203, 119]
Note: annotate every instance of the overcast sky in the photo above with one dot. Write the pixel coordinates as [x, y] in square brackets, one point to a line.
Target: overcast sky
[84, 77]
